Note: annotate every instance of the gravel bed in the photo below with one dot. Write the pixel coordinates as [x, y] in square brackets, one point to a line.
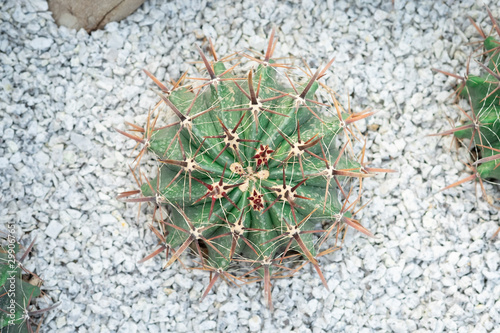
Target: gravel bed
[431, 266]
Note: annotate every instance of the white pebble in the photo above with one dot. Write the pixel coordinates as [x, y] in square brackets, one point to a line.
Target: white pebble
[53, 229]
[41, 43]
[254, 323]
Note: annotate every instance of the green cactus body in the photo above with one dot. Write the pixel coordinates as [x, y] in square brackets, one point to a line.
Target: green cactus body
[483, 127]
[249, 168]
[15, 293]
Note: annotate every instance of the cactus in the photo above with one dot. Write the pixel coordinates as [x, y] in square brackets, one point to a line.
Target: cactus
[482, 130]
[18, 288]
[249, 168]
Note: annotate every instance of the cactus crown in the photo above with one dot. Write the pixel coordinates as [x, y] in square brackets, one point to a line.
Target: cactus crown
[249, 168]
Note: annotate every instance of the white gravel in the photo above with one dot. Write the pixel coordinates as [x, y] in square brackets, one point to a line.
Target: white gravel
[431, 267]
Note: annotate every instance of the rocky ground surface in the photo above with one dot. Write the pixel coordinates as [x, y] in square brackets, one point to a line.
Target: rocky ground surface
[431, 266]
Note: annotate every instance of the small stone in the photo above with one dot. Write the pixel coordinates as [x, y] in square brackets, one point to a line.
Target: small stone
[106, 84]
[69, 244]
[438, 251]
[97, 267]
[453, 257]
[12, 146]
[255, 323]
[387, 187]
[108, 163]
[41, 43]
[464, 282]
[380, 15]
[38, 190]
[435, 309]
[416, 100]
[311, 307]
[455, 310]
[395, 273]
[95, 252]
[476, 246]
[130, 92]
[209, 31]
[492, 260]
[69, 157]
[88, 100]
[438, 48]
[74, 214]
[39, 5]
[118, 258]
[4, 163]
[410, 200]
[53, 229]
[61, 321]
[107, 219]
[199, 34]
[75, 62]
[208, 325]
[247, 28]
[83, 143]
[115, 41]
[181, 280]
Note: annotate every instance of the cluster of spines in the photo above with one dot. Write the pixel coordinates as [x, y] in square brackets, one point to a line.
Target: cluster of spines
[18, 288]
[482, 129]
[242, 198]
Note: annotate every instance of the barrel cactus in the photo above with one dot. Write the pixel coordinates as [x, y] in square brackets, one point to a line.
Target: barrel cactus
[249, 169]
[18, 289]
[481, 132]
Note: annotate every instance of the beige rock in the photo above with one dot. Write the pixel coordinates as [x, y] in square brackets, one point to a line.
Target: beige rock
[91, 14]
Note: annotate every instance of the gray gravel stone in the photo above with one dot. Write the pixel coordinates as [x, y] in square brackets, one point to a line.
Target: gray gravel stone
[255, 324]
[53, 229]
[41, 43]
